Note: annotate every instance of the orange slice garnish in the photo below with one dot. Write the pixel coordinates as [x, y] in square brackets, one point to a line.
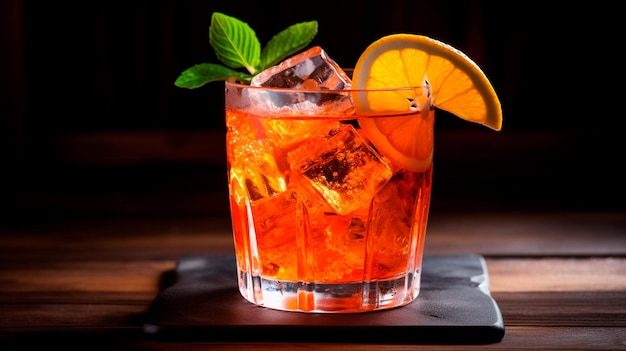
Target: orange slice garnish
[440, 75]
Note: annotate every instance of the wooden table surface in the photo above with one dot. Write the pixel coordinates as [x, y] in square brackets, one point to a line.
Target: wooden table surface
[86, 246]
[559, 278]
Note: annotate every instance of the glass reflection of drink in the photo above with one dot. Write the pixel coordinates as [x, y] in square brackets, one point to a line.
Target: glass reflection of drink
[322, 221]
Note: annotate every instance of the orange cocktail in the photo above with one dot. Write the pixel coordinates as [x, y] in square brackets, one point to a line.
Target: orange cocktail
[330, 174]
[322, 221]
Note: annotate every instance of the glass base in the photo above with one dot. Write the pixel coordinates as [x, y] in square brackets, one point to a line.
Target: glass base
[330, 298]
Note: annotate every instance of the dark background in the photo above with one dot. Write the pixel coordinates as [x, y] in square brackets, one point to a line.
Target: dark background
[92, 123]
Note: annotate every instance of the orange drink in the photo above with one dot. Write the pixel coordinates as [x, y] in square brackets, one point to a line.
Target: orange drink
[322, 221]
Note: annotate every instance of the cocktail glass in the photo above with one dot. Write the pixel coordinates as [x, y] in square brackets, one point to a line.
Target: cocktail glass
[322, 221]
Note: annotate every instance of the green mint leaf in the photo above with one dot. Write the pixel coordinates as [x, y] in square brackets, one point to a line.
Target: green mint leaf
[286, 43]
[200, 74]
[237, 46]
[234, 42]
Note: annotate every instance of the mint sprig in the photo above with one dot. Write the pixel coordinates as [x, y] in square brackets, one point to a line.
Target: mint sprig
[236, 45]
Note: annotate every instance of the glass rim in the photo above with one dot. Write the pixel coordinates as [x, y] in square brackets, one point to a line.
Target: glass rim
[236, 84]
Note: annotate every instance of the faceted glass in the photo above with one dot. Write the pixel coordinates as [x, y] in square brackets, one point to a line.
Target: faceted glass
[322, 221]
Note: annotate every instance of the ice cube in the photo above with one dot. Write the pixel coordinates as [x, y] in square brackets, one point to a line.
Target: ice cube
[311, 70]
[344, 170]
[254, 167]
[275, 219]
[288, 133]
[391, 226]
[275, 224]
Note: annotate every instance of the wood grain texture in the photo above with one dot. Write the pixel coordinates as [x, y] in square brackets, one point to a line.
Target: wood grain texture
[559, 278]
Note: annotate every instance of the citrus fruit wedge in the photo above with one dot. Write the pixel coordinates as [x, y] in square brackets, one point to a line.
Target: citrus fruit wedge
[440, 75]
